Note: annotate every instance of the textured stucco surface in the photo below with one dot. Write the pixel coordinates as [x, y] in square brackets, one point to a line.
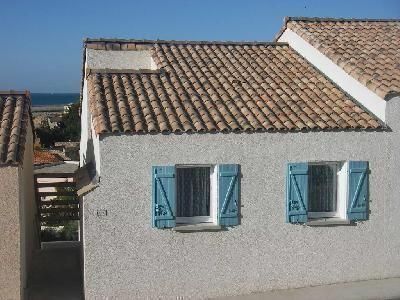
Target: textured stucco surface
[29, 233]
[126, 258]
[18, 235]
[9, 234]
[85, 129]
[104, 59]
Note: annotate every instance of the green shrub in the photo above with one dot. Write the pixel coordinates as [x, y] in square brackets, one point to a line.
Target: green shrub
[65, 232]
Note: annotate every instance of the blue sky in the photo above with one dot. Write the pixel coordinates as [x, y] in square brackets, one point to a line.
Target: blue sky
[41, 40]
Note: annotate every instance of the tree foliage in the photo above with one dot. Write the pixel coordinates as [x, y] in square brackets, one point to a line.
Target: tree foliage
[67, 130]
[70, 125]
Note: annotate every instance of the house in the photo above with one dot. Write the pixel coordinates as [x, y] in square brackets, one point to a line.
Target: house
[18, 223]
[226, 168]
[53, 121]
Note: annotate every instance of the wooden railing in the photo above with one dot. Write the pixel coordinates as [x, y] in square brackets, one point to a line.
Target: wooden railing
[56, 196]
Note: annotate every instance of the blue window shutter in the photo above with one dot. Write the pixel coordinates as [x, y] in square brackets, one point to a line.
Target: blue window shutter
[229, 195]
[357, 204]
[164, 199]
[297, 193]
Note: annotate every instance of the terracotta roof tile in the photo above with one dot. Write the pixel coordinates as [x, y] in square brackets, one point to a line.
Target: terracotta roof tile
[220, 87]
[14, 118]
[366, 49]
[45, 157]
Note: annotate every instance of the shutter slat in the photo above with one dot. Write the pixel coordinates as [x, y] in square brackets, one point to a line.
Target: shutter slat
[164, 198]
[357, 209]
[297, 193]
[229, 194]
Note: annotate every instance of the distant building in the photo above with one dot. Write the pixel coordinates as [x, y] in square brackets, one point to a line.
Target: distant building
[69, 149]
[54, 120]
[44, 157]
[18, 231]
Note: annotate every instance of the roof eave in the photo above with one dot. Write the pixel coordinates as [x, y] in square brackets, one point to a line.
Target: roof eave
[181, 42]
[10, 164]
[330, 19]
[15, 93]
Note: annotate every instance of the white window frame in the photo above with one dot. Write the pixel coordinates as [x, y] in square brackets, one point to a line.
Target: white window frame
[212, 218]
[342, 190]
[341, 183]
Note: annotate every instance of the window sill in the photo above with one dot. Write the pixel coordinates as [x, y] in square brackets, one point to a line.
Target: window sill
[197, 227]
[328, 222]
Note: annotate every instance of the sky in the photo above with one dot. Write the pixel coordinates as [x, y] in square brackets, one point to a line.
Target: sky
[41, 40]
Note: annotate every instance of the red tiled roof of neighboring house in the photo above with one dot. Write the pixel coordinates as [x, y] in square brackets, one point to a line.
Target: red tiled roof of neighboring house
[45, 157]
[14, 117]
[218, 87]
[367, 49]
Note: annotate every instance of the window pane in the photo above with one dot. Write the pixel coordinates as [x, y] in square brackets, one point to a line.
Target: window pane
[322, 188]
[193, 192]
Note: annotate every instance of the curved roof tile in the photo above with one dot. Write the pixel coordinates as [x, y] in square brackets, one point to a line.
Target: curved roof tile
[367, 49]
[14, 118]
[221, 87]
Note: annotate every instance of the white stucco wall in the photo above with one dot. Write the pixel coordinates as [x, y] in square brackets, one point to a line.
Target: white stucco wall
[346, 82]
[96, 148]
[89, 143]
[107, 59]
[85, 125]
[126, 258]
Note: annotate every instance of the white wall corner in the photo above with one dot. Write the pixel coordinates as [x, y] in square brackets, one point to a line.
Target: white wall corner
[365, 97]
[89, 144]
[85, 128]
[393, 113]
[96, 146]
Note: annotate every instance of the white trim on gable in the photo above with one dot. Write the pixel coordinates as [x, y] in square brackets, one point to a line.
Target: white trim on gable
[96, 146]
[347, 83]
[90, 141]
[85, 121]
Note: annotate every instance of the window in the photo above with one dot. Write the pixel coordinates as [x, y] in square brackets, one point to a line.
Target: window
[318, 190]
[323, 189]
[192, 194]
[196, 199]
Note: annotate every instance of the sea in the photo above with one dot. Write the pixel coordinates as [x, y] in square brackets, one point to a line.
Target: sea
[40, 99]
